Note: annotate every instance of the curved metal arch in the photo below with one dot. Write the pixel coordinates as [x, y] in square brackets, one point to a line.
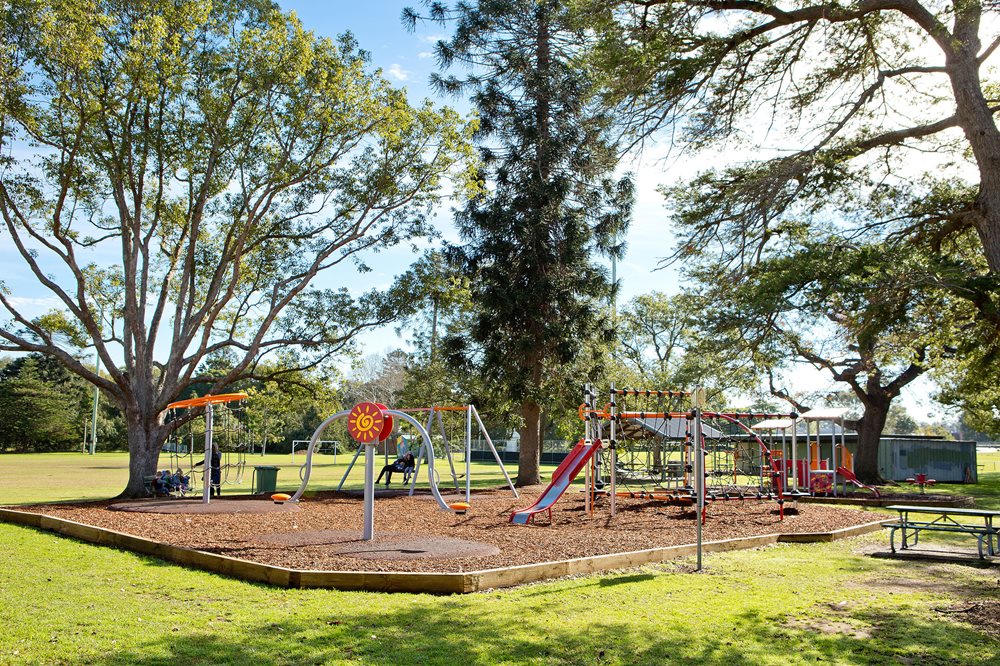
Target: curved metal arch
[765, 451]
[318, 434]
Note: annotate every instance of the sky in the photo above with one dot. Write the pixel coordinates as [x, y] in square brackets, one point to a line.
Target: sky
[406, 60]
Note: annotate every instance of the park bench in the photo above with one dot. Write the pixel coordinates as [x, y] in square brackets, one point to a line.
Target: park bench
[945, 520]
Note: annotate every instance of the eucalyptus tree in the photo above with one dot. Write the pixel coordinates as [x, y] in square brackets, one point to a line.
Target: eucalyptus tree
[551, 201]
[659, 345]
[817, 105]
[182, 176]
[868, 315]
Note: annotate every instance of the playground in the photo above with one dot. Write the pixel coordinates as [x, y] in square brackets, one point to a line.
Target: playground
[413, 535]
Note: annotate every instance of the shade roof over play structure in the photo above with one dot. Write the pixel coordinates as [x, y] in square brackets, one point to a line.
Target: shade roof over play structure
[833, 414]
[642, 428]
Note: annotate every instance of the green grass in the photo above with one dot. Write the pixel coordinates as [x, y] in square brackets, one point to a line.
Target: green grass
[66, 602]
[50, 477]
[82, 604]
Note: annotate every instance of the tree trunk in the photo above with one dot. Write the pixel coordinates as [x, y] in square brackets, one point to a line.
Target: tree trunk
[531, 436]
[145, 441]
[977, 122]
[870, 427]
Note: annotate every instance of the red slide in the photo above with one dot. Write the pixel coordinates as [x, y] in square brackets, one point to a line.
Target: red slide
[561, 478]
[850, 478]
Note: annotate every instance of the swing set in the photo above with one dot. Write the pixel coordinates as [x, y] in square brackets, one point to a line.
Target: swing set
[223, 427]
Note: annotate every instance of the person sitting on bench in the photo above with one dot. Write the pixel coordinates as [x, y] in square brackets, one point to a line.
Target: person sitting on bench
[401, 464]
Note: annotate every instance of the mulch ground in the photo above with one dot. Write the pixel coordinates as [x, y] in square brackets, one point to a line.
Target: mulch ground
[413, 534]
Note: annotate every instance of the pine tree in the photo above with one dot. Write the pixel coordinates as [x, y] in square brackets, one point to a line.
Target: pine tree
[550, 203]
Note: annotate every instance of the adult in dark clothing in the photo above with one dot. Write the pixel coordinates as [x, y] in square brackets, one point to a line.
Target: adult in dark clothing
[401, 464]
[216, 467]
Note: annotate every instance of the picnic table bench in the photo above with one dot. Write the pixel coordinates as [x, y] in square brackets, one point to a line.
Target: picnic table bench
[945, 521]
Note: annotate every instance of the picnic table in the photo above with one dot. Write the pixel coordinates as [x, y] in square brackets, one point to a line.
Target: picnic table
[945, 521]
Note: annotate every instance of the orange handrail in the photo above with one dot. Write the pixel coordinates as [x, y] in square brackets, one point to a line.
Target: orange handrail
[207, 400]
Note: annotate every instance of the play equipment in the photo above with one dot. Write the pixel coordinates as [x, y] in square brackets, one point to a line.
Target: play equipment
[848, 477]
[829, 461]
[641, 446]
[921, 481]
[280, 498]
[367, 423]
[231, 426]
[571, 465]
[670, 444]
[437, 416]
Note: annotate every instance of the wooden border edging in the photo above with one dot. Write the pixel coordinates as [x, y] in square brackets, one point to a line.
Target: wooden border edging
[391, 581]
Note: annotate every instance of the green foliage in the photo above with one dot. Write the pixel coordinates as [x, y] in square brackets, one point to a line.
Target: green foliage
[550, 201]
[46, 408]
[188, 170]
[660, 347]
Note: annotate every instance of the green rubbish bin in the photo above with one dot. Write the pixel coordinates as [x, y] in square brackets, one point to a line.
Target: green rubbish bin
[265, 479]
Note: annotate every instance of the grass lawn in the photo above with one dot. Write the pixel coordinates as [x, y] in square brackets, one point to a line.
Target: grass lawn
[66, 602]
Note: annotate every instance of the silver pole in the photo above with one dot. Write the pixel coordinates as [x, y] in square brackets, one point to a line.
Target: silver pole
[496, 455]
[468, 452]
[588, 441]
[699, 479]
[349, 467]
[423, 453]
[446, 443]
[369, 526]
[206, 491]
[97, 398]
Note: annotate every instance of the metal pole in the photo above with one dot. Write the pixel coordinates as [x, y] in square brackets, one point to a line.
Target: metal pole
[369, 517]
[468, 452]
[486, 435]
[699, 479]
[206, 491]
[588, 441]
[423, 452]
[446, 443]
[97, 398]
[614, 452]
[349, 467]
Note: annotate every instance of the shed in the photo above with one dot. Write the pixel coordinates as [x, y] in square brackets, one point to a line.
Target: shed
[947, 461]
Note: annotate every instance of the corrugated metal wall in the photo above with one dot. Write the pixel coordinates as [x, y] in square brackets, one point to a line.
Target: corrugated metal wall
[945, 461]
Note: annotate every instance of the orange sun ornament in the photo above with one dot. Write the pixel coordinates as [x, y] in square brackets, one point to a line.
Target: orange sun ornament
[365, 422]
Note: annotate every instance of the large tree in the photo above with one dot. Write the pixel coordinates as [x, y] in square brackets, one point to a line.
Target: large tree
[178, 175]
[551, 202]
[827, 101]
[862, 313]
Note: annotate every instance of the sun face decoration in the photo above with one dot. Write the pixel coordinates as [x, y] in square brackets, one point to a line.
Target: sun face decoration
[365, 422]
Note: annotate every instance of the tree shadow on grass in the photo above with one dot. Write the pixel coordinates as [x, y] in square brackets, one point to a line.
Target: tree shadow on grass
[449, 632]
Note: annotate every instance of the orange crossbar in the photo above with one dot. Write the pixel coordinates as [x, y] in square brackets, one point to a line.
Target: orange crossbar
[427, 409]
[207, 400]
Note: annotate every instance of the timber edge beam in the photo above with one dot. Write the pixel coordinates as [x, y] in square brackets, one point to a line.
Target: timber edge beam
[419, 582]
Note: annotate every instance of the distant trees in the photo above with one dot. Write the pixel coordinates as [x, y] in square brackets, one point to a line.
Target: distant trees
[549, 205]
[44, 407]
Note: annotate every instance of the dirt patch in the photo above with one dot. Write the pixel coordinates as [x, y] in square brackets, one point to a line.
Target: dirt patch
[572, 533]
[819, 625]
[983, 615]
